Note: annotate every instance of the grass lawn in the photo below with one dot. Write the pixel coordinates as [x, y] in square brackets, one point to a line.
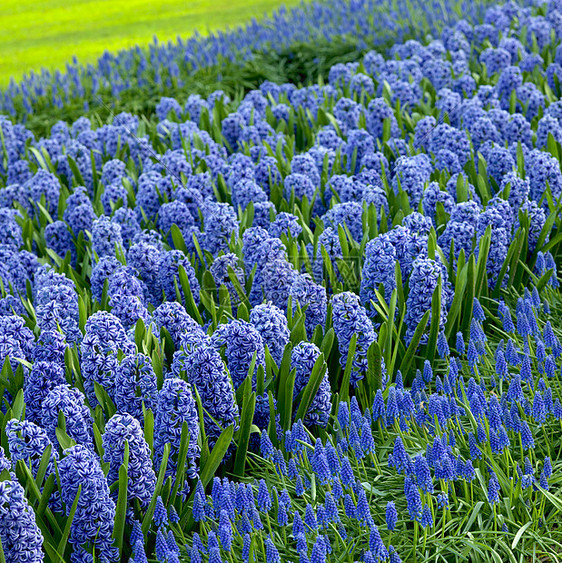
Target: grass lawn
[49, 33]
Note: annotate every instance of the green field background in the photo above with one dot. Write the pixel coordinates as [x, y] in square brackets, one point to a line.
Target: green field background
[49, 33]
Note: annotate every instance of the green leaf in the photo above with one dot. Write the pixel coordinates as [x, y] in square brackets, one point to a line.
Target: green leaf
[458, 299]
[63, 438]
[520, 533]
[48, 488]
[513, 255]
[374, 371]
[239, 289]
[178, 240]
[309, 392]
[190, 305]
[147, 520]
[43, 465]
[435, 322]
[481, 264]
[202, 434]
[217, 455]
[148, 416]
[410, 352]
[285, 397]
[243, 434]
[75, 171]
[344, 387]
[181, 460]
[105, 400]
[121, 506]
[18, 405]
[327, 342]
[61, 548]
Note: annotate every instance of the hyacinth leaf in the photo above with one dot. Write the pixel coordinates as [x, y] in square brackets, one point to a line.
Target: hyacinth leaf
[25, 477]
[458, 300]
[47, 491]
[205, 452]
[373, 380]
[284, 368]
[148, 429]
[516, 273]
[140, 331]
[391, 334]
[263, 380]
[178, 240]
[544, 234]
[63, 438]
[431, 244]
[208, 282]
[482, 184]
[61, 548]
[345, 383]
[208, 302]
[442, 217]
[317, 336]
[221, 189]
[272, 427]
[43, 466]
[413, 346]
[75, 171]
[343, 238]
[271, 368]
[8, 378]
[520, 533]
[285, 397]
[147, 520]
[328, 266]
[481, 273]
[435, 321]
[380, 303]
[167, 350]
[216, 456]
[371, 225]
[306, 396]
[327, 342]
[544, 279]
[4, 150]
[239, 290]
[18, 405]
[552, 146]
[513, 256]
[95, 179]
[190, 306]
[181, 461]
[121, 505]
[399, 289]
[104, 400]
[473, 515]
[298, 330]
[468, 303]
[43, 158]
[552, 243]
[242, 436]
[225, 304]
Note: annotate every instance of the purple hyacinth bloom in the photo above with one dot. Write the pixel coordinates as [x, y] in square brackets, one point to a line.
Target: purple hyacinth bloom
[95, 513]
[121, 429]
[350, 318]
[21, 538]
[175, 406]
